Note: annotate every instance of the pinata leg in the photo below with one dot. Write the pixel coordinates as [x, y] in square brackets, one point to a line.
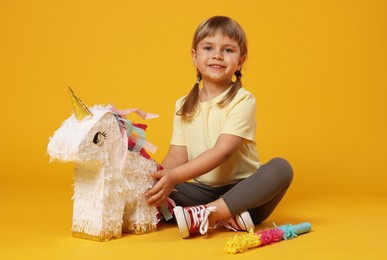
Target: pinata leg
[95, 216]
[139, 218]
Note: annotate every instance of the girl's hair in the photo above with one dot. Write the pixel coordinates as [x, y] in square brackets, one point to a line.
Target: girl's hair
[230, 28]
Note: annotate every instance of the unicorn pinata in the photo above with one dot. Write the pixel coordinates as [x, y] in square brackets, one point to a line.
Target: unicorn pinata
[109, 180]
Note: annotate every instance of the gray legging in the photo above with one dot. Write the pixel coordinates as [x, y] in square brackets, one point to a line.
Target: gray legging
[259, 194]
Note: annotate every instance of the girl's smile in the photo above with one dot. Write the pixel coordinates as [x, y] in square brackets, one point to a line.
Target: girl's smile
[216, 66]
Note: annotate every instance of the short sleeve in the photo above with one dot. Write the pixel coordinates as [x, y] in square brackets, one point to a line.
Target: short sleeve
[241, 117]
[178, 137]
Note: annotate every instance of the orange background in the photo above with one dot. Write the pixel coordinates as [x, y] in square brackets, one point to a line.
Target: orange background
[317, 69]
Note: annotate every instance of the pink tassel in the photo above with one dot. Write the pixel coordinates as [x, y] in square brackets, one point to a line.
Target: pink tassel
[270, 236]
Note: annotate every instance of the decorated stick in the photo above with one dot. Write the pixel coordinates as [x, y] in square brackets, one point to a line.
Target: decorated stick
[242, 243]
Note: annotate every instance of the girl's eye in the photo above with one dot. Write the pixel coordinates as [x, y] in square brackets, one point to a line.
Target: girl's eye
[99, 137]
[207, 48]
[228, 50]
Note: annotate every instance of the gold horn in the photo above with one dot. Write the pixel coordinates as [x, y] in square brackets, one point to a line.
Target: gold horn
[80, 109]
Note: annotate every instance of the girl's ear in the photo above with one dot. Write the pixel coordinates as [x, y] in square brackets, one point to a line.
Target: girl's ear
[241, 61]
[194, 57]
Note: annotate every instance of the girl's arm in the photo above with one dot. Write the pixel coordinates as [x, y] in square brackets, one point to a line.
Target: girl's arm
[176, 156]
[225, 145]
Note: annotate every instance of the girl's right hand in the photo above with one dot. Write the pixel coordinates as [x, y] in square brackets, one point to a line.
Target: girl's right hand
[166, 181]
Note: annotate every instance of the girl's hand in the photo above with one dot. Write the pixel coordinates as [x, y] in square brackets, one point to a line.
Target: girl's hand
[161, 190]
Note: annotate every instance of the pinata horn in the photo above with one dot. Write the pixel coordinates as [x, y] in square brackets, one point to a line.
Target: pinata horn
[80, 109]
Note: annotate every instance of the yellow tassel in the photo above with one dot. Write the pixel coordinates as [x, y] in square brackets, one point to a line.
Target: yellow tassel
[240, 244]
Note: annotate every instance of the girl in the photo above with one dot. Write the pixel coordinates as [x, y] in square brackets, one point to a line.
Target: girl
[213, 143]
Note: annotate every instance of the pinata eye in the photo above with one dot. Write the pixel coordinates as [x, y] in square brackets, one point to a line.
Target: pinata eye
[99, 137]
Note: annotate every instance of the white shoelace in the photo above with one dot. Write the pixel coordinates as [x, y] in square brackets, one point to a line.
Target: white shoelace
[200, 217]
[227, 223]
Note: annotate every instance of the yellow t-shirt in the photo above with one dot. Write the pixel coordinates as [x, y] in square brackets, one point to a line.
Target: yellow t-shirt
[237, 118]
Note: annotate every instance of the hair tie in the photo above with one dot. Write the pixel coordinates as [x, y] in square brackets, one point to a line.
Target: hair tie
[238, 74]
[199, 76]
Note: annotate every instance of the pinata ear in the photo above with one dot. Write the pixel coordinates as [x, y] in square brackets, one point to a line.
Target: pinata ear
[80, 110]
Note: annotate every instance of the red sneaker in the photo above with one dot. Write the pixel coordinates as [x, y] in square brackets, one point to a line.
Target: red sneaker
[190, 220]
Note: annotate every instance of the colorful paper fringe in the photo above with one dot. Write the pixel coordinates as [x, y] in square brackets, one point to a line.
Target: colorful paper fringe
[240, 244]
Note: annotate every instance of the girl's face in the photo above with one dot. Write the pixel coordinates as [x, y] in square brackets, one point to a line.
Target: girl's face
[217, 58]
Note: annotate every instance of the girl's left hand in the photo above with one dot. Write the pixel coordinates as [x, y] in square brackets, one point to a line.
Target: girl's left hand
[161, 190]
